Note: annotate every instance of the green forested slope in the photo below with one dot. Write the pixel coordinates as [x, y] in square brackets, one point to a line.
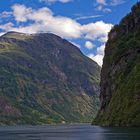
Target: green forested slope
[120, 76]
[45, 79]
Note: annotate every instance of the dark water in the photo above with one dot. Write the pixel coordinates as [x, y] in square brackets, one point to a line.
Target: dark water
[68, 132]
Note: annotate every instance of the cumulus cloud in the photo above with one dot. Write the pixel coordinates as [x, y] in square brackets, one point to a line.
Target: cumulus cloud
[20, 11]
[99, 55]
[2, 33]
[89, 44]
[98, 30]
[7, 26]
[43, 20]
[23, 13]
[100, 50]
[31, 20]
[97, 58]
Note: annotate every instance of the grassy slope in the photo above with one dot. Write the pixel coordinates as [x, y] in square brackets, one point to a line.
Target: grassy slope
[45, 82]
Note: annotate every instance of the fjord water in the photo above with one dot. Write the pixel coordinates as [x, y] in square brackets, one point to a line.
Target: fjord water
[68, 132]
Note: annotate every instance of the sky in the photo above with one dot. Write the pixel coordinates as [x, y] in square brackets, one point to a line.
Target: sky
[85, 23]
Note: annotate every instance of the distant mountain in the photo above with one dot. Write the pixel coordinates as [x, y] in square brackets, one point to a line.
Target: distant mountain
[120, 76]
[46, 79]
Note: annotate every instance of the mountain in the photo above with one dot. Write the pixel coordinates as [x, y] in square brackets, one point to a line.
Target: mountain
[46, 79]
[120, 75]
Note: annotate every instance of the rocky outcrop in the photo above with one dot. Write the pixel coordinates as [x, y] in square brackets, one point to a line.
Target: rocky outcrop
[120, 75]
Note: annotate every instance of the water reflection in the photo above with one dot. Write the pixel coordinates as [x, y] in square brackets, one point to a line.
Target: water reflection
[68, 132]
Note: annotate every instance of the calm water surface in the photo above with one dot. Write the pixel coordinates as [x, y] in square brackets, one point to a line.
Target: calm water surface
[68, 132]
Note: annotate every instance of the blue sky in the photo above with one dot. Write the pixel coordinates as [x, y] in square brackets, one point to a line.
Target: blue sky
[83, 22]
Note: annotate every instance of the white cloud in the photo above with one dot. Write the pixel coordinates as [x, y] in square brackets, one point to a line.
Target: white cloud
[101, 6]
[103, 9]
[89, 44]
[98, 30]
[100, 50]
[87, 17]
[7, 26]
[117, 2]
[22, 13]
[43, 20]
[97, 58]
[2, 33]
[53, 1]
[5, 14]
[99, 55]
[101, 2]
[104, 5]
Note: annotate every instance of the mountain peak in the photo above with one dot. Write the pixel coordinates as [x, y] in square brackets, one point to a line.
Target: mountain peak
[15, 35]
[19, 35]
[48, 80]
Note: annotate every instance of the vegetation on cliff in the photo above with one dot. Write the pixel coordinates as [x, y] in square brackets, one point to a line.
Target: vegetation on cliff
[120, 75]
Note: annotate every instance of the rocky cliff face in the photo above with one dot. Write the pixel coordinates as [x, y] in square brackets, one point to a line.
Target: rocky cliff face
[120, 75]
[45, 79]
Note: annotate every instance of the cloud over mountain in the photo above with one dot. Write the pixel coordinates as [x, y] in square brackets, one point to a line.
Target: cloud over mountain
[31, 20]
[99, 55]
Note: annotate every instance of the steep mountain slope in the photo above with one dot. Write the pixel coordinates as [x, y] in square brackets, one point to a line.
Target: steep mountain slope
[45, 79]
[120, 76]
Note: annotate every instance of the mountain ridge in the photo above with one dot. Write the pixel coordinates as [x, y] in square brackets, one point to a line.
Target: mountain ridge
[46, 79]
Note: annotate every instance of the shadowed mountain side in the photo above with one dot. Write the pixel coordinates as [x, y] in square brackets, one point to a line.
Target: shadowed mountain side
[120, 76]
[46, 79]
